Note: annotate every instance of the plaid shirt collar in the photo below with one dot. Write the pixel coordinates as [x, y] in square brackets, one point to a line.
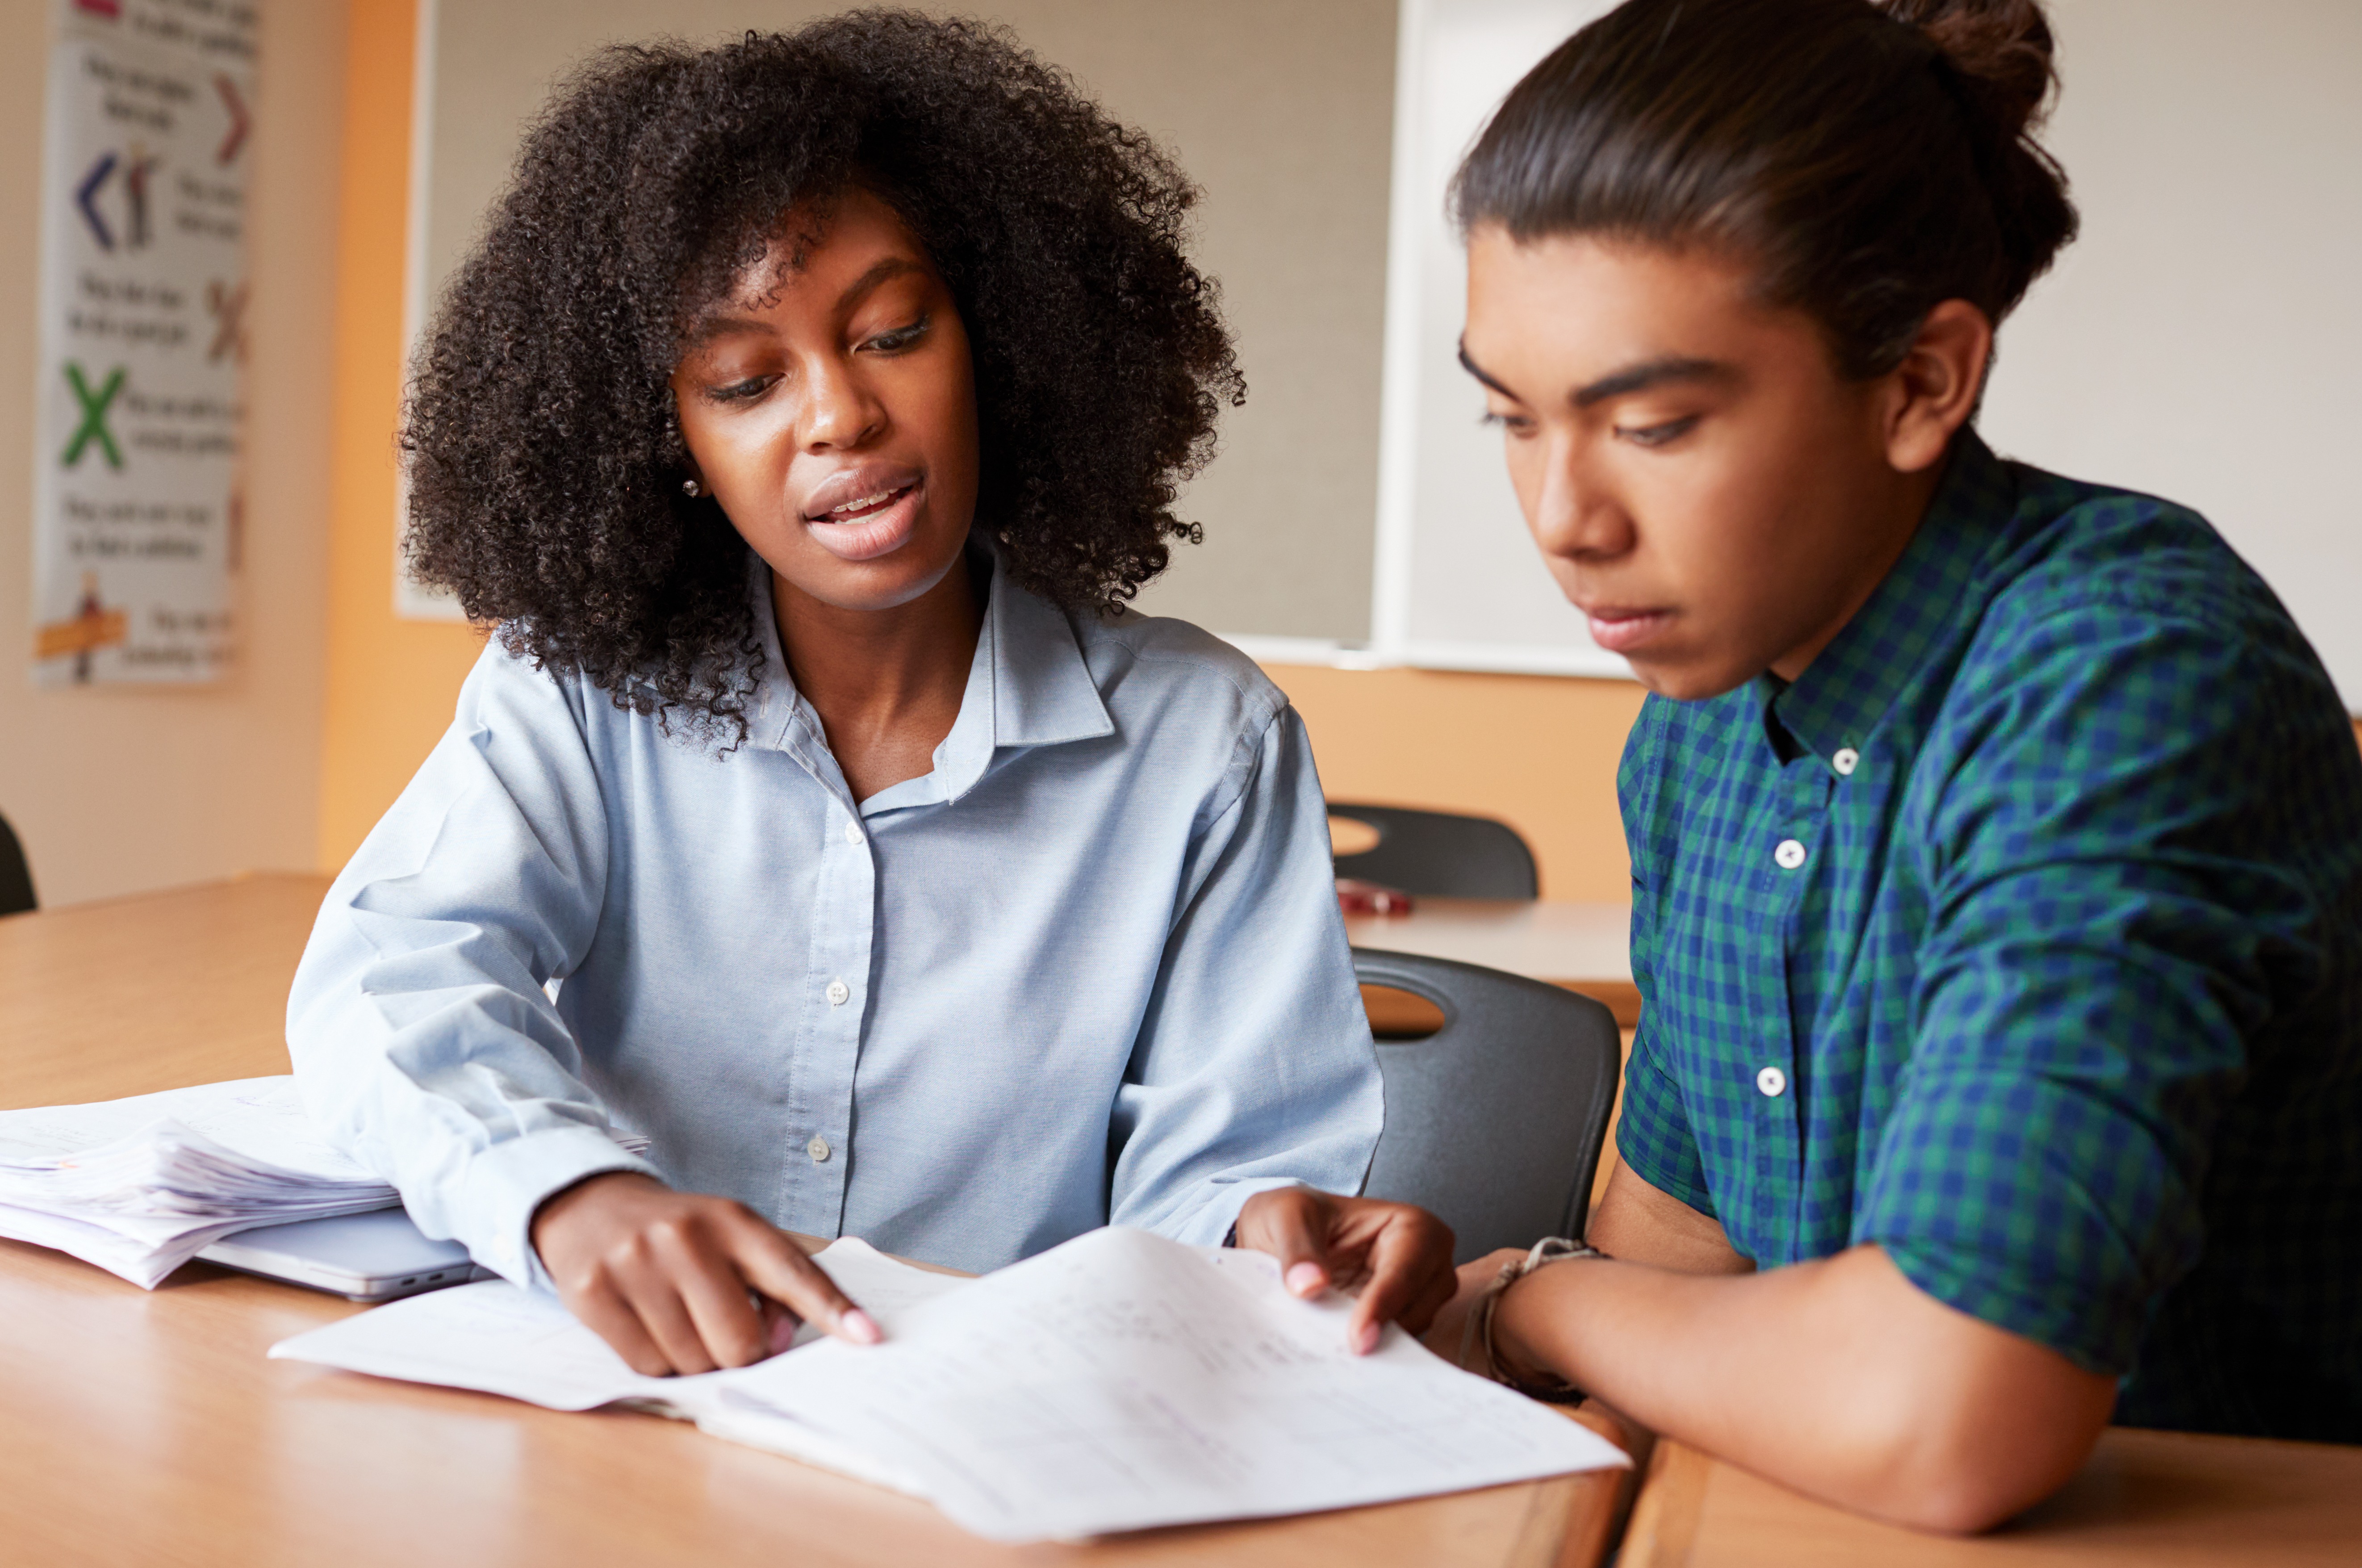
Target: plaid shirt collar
[1932, 590]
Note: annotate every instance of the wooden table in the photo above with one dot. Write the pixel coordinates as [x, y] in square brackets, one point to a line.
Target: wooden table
[148, 1428]
[2146, 1501]
[1584, 947]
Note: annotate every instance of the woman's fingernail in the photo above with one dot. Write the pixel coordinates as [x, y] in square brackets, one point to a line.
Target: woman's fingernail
[1307, 1278]
[861, 1328]
[1365, 1339]
[783, 1332]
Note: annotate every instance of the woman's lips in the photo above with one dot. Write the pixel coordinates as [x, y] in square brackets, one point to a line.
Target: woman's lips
[1620, 631]
[870, 526]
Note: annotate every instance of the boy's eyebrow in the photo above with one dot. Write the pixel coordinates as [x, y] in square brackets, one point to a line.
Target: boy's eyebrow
[1631, 378]
[709, 327]
[1653, 372]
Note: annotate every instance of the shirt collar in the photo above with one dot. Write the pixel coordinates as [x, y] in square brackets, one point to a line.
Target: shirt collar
[1847, 690]
[1027, 685]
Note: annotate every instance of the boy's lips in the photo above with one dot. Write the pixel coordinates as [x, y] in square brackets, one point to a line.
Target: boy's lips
[1619, 628]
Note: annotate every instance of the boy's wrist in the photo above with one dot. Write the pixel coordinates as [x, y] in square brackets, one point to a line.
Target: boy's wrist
[1504, 1353]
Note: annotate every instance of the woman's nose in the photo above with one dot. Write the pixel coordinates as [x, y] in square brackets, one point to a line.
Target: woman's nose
[840, 410]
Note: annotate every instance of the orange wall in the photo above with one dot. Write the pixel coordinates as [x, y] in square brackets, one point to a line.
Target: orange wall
[390, 682]
[1539, 752]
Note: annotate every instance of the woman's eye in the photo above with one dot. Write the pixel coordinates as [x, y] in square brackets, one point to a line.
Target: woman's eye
[902, 337]
[741, 392]
[1514, 424]
[1658, 434]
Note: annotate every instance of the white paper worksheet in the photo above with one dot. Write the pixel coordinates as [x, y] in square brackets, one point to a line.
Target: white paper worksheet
[1119, 1382]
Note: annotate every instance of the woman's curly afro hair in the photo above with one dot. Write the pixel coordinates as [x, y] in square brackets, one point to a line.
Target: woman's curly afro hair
[545, 458]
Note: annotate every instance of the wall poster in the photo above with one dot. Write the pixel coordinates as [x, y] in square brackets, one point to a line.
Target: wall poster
[136, 499]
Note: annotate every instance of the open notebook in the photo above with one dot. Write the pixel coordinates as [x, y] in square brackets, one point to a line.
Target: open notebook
[1119, 1382]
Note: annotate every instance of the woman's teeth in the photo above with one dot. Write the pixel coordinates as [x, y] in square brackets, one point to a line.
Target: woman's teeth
[863, 504]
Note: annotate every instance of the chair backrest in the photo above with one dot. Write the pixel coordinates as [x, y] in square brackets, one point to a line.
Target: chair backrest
[15, 875]
[1494, 1123]
[1439, 855]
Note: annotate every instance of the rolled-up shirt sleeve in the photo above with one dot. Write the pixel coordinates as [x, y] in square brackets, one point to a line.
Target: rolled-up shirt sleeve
[2113, 919]
[422, 1037]
[1253, 1066]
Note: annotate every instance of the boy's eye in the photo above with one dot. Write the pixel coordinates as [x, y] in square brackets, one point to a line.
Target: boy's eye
[1658, 434]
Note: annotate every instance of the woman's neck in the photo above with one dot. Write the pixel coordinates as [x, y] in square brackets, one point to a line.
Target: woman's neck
[886, 684]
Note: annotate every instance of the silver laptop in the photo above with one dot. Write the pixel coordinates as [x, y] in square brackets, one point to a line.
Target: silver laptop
[362, 1257]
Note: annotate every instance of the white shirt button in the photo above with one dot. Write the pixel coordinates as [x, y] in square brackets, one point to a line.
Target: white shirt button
[1790, 855]
[838, 993]
[818, 1148]
[1846, 761]
[853, 829]
[1771, 1080]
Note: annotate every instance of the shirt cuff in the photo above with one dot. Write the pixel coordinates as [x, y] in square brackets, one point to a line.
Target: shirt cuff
[507, 1184]
[1214, 1222]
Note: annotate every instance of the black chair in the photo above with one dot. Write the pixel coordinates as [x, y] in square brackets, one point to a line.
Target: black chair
[1494, 1123]
[15, 876]
[1439, 855]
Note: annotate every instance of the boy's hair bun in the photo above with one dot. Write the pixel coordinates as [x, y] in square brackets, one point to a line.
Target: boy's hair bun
[2001, 55]
[2001, 49]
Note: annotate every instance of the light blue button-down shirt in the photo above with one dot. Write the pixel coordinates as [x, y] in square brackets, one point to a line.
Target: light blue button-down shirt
[1088, 969]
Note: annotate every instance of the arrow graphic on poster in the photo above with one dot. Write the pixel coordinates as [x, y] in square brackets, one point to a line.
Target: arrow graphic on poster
[87, 192]
[238, 120]
[228, 307]
[94, 405]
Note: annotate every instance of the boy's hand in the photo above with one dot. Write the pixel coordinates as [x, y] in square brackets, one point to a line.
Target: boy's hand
[672, 1279]
[1399, 1255]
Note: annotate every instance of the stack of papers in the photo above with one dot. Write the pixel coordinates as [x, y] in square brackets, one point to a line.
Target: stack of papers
[140, 1185]
[1119, 1382]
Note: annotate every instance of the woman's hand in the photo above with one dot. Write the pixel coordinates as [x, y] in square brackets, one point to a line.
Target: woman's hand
[1400, 1257]
[672, 1280]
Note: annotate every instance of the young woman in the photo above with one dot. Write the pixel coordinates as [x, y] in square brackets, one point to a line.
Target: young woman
[1996, 839]
[803, 420]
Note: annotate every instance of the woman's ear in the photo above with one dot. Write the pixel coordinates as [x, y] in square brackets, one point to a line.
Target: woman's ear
[1932, 393]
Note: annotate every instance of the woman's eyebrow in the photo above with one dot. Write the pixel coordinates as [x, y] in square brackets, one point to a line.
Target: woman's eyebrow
[709, 327]
[879, 271]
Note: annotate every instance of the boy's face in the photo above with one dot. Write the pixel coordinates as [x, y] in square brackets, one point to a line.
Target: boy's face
[1701, 483]
[830, 408]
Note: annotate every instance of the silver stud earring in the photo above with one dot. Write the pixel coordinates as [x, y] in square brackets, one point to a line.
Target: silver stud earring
[690, 487]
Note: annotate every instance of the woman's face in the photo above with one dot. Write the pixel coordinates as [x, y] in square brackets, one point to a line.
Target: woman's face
[1702, 485]
[830, 408]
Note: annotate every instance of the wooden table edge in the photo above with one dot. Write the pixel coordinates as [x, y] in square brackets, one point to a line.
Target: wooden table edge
[1665, 1516]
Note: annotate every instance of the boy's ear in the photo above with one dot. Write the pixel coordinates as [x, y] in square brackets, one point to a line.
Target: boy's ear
[1933, 391]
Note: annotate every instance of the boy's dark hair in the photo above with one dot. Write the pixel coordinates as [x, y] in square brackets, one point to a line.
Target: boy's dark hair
[1870, 160]
[545, 457]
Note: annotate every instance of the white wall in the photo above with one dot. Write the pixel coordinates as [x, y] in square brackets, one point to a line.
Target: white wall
[119, 789]
[2200, 340]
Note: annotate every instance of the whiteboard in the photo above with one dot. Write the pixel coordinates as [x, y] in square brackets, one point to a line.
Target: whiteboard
[1457, 584]
[2197, 342]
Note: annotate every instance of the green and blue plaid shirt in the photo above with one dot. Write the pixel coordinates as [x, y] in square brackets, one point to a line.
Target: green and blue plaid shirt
[2022, 937]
